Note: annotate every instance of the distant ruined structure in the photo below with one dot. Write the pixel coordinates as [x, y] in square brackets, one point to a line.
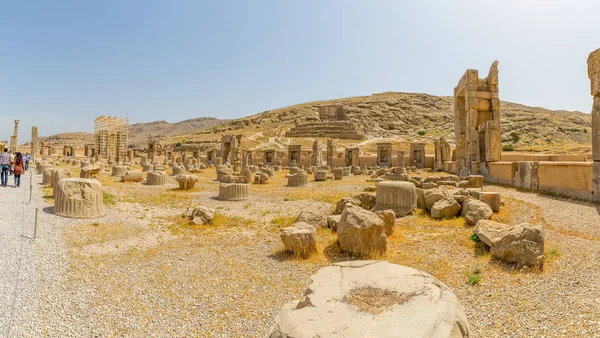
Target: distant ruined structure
[14, 139]
[231, 148]
[594, 75]
[477, 122]
[333, 123]
[34, 142]
[110, 137]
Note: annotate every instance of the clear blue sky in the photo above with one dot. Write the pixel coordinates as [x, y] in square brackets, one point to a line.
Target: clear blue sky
[62, 63]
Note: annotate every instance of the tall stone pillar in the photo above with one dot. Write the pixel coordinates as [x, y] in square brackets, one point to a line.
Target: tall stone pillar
[331, 149]
[317, 157]
[594, 75]
[14, 140]
[34, 143]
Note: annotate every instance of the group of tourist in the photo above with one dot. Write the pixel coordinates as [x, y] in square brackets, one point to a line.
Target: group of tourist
[13, 164]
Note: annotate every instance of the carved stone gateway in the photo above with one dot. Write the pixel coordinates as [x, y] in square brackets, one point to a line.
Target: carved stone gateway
[294, 153]
[400, 160]
[417, 155]
[443, 153]
[594, 75]
[231, 148]
[269, 157]
[352, 157]
[477, 121]
[384, 155]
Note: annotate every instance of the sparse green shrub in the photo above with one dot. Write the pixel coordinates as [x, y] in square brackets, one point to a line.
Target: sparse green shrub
[474, 238]
[515, 137]
[178, 144]
[474, 275]
[585, 131]
[421, 132]
[508, 147]
[391, 127]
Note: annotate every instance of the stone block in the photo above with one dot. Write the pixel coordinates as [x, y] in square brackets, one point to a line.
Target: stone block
[78, 198]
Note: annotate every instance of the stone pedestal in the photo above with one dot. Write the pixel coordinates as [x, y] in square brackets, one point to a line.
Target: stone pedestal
[401, 197]
[156, 178]
[78, 198]
[234, 191]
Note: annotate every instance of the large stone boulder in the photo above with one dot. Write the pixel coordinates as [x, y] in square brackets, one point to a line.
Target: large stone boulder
[361, 233]
[299, 179]
[363, 200]
[320, 175]
[202, 215]
[522, 244]
[389, 220]
[373, 299]
[432, 196]
[475, 210]
[492, 199]
[300, 239]
[314, 219]
[333, 221]
[78, 198]
[447, 208]
[401, 197]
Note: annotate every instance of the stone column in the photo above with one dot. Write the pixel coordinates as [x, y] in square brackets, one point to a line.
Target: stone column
[34, 143]
[317, 157]
[594, 75]
[331, 149]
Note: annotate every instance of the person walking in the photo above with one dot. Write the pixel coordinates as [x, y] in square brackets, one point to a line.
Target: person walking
[18, 168]
[26, 159]
[12, 162]
[4, 165]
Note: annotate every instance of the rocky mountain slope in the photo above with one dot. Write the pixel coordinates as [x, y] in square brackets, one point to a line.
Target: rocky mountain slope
[402, 117]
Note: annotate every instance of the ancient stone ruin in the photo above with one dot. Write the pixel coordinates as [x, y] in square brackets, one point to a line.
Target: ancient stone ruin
[231, 148]
[110, 137]
[317, 156]
[269, 157]
[477, 122]
[333, 123]
[351, 157]
[594, 75]
[294, 155]
[384, 155]
[14, 139]
[417, 155]
[78, 198]
[374, 299]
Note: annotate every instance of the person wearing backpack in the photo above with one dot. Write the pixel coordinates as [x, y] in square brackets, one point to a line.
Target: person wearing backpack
[18, 168]
[4, 164]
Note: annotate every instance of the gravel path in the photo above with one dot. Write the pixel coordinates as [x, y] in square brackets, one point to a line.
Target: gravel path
[20, 301]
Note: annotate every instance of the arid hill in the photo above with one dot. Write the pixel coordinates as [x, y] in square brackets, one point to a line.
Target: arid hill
[402, 117]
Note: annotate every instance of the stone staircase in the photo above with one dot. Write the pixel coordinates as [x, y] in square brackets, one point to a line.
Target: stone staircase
[332, 129]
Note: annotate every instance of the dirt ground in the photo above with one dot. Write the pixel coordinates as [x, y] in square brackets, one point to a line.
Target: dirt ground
[155, 274]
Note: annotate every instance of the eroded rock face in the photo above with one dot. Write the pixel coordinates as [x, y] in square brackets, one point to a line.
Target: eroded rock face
[447, 208]
[78, 198]
[202, 215]
[389, 220]
[363, 200]
[361, 233]
[300, 239]
[373, 299]
[474, 210]
[314, 219]
[522, 244]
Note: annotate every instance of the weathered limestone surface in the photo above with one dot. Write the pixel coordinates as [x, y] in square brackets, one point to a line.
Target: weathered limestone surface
[447, 207]
[47, 176]
[59, 174]
[234, 191]
[332, 306]
[147, 167]
[261, 178]
[594, 75]
[522, 244]
[361, 233]
[177, 170]
[320, 175]
[43, 166]
[338, 173]
[300, 239]
[492, 199]
[202, 215]
[186, 182]
[474, 210]
[78, 198]
[89, 172]
[389, 220]
[363, 200]
[314, 219]
[156, 178]
[299, 179]
[118, 170]
[132, 176]
[401, 197]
